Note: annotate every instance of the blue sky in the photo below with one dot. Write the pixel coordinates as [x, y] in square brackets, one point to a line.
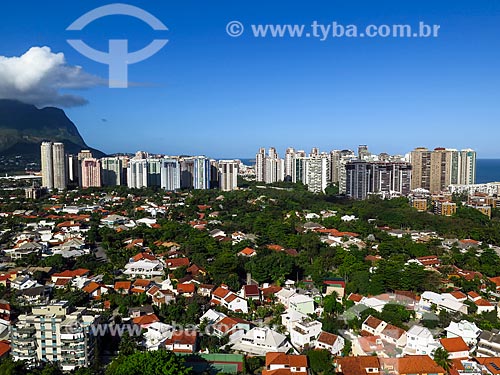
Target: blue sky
[208, 93]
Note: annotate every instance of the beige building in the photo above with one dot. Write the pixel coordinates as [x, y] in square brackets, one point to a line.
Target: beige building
[54, 333]
[436, 170]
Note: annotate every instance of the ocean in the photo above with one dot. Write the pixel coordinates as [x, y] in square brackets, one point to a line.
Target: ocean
[487, 170]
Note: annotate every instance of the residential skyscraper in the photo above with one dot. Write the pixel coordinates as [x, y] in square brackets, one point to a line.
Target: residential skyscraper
[317, 173]
[91, 173]
[53, 160]
[170, 174]
[111, 171]
[289, 161]
[137, 173]
[47, 165]
[387, 179]
[260, 165]
[228, 174]
[436, 170]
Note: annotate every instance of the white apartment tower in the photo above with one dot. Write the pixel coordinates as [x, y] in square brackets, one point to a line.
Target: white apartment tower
[228, 175]
[53, 160]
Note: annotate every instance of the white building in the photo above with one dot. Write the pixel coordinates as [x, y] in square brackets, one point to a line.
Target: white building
[144, 268]
[305, 332]
[259, 341]
[333, 343]
[420, 341]
[228, 175]
[464, 329]
[428, 299]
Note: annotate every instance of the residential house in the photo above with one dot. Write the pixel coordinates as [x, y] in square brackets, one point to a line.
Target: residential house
[305, 332]
[442, 302]
[456, 347]
[259, 341]
[283, 364]
[394, 335]
[250, 292]
[230, 300]
[411, 365]
[368, 345]
[373, 325]
[468, 331]
[156, 335]
[302, 303]
[357, 365]
[247, 252]
[182, 342]
[333, 343]
[489, 344]
[420, 341]
[144, 268]
[230, 326]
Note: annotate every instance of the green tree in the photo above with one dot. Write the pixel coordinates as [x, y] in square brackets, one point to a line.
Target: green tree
[320, 361]
[442, 358]
[159, 362]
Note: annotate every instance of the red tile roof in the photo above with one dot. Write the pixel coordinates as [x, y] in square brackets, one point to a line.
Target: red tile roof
[454, 345]
[146, 319]
[327, 338]
[185, 288]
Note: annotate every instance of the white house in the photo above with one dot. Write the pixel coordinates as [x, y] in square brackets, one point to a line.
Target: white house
[259, 341]
[290, 318]
[222, 296]
[420, 341]
[305, 332]
[464, 329]
[442, 302]
[144, 268]
[156, 335]
[284, 295]
[373, 325]
[333, 343]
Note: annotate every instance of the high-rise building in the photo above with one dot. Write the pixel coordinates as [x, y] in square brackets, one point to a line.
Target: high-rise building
[334, 161]
[47, 165]
[269, 168]
[54, 333]
[170, 174]
[274, 171]
[72, 168]
[436, 170]
[384, 178]
[137, 173]
[317, 173]
[289, 161]
[154, 172]
[467, 167]
[260, 165]
[59, 165]
[53, 160]
[112, 171]
[358, 177]
[228, 175]
[91, 173]
[202, 171]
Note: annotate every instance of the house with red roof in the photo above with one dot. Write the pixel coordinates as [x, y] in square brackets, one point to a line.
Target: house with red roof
[250, 292]
[229, 326]
[247, 252]
[456, 347]
[328, 341]
[95, 290]
[284, 364]
[186, 289]
[222, 296]
[123, 287]
[173, 264]
[145, 320]
[182, 342]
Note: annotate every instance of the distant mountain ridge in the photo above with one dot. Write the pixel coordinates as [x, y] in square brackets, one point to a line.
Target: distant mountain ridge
[23, 127]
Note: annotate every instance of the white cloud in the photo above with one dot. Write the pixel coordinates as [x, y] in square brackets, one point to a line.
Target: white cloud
[38, 76]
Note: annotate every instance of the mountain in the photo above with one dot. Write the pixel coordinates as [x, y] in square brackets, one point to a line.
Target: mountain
[23, 127]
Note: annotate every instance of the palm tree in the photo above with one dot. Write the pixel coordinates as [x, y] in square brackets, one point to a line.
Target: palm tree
[442, 358]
